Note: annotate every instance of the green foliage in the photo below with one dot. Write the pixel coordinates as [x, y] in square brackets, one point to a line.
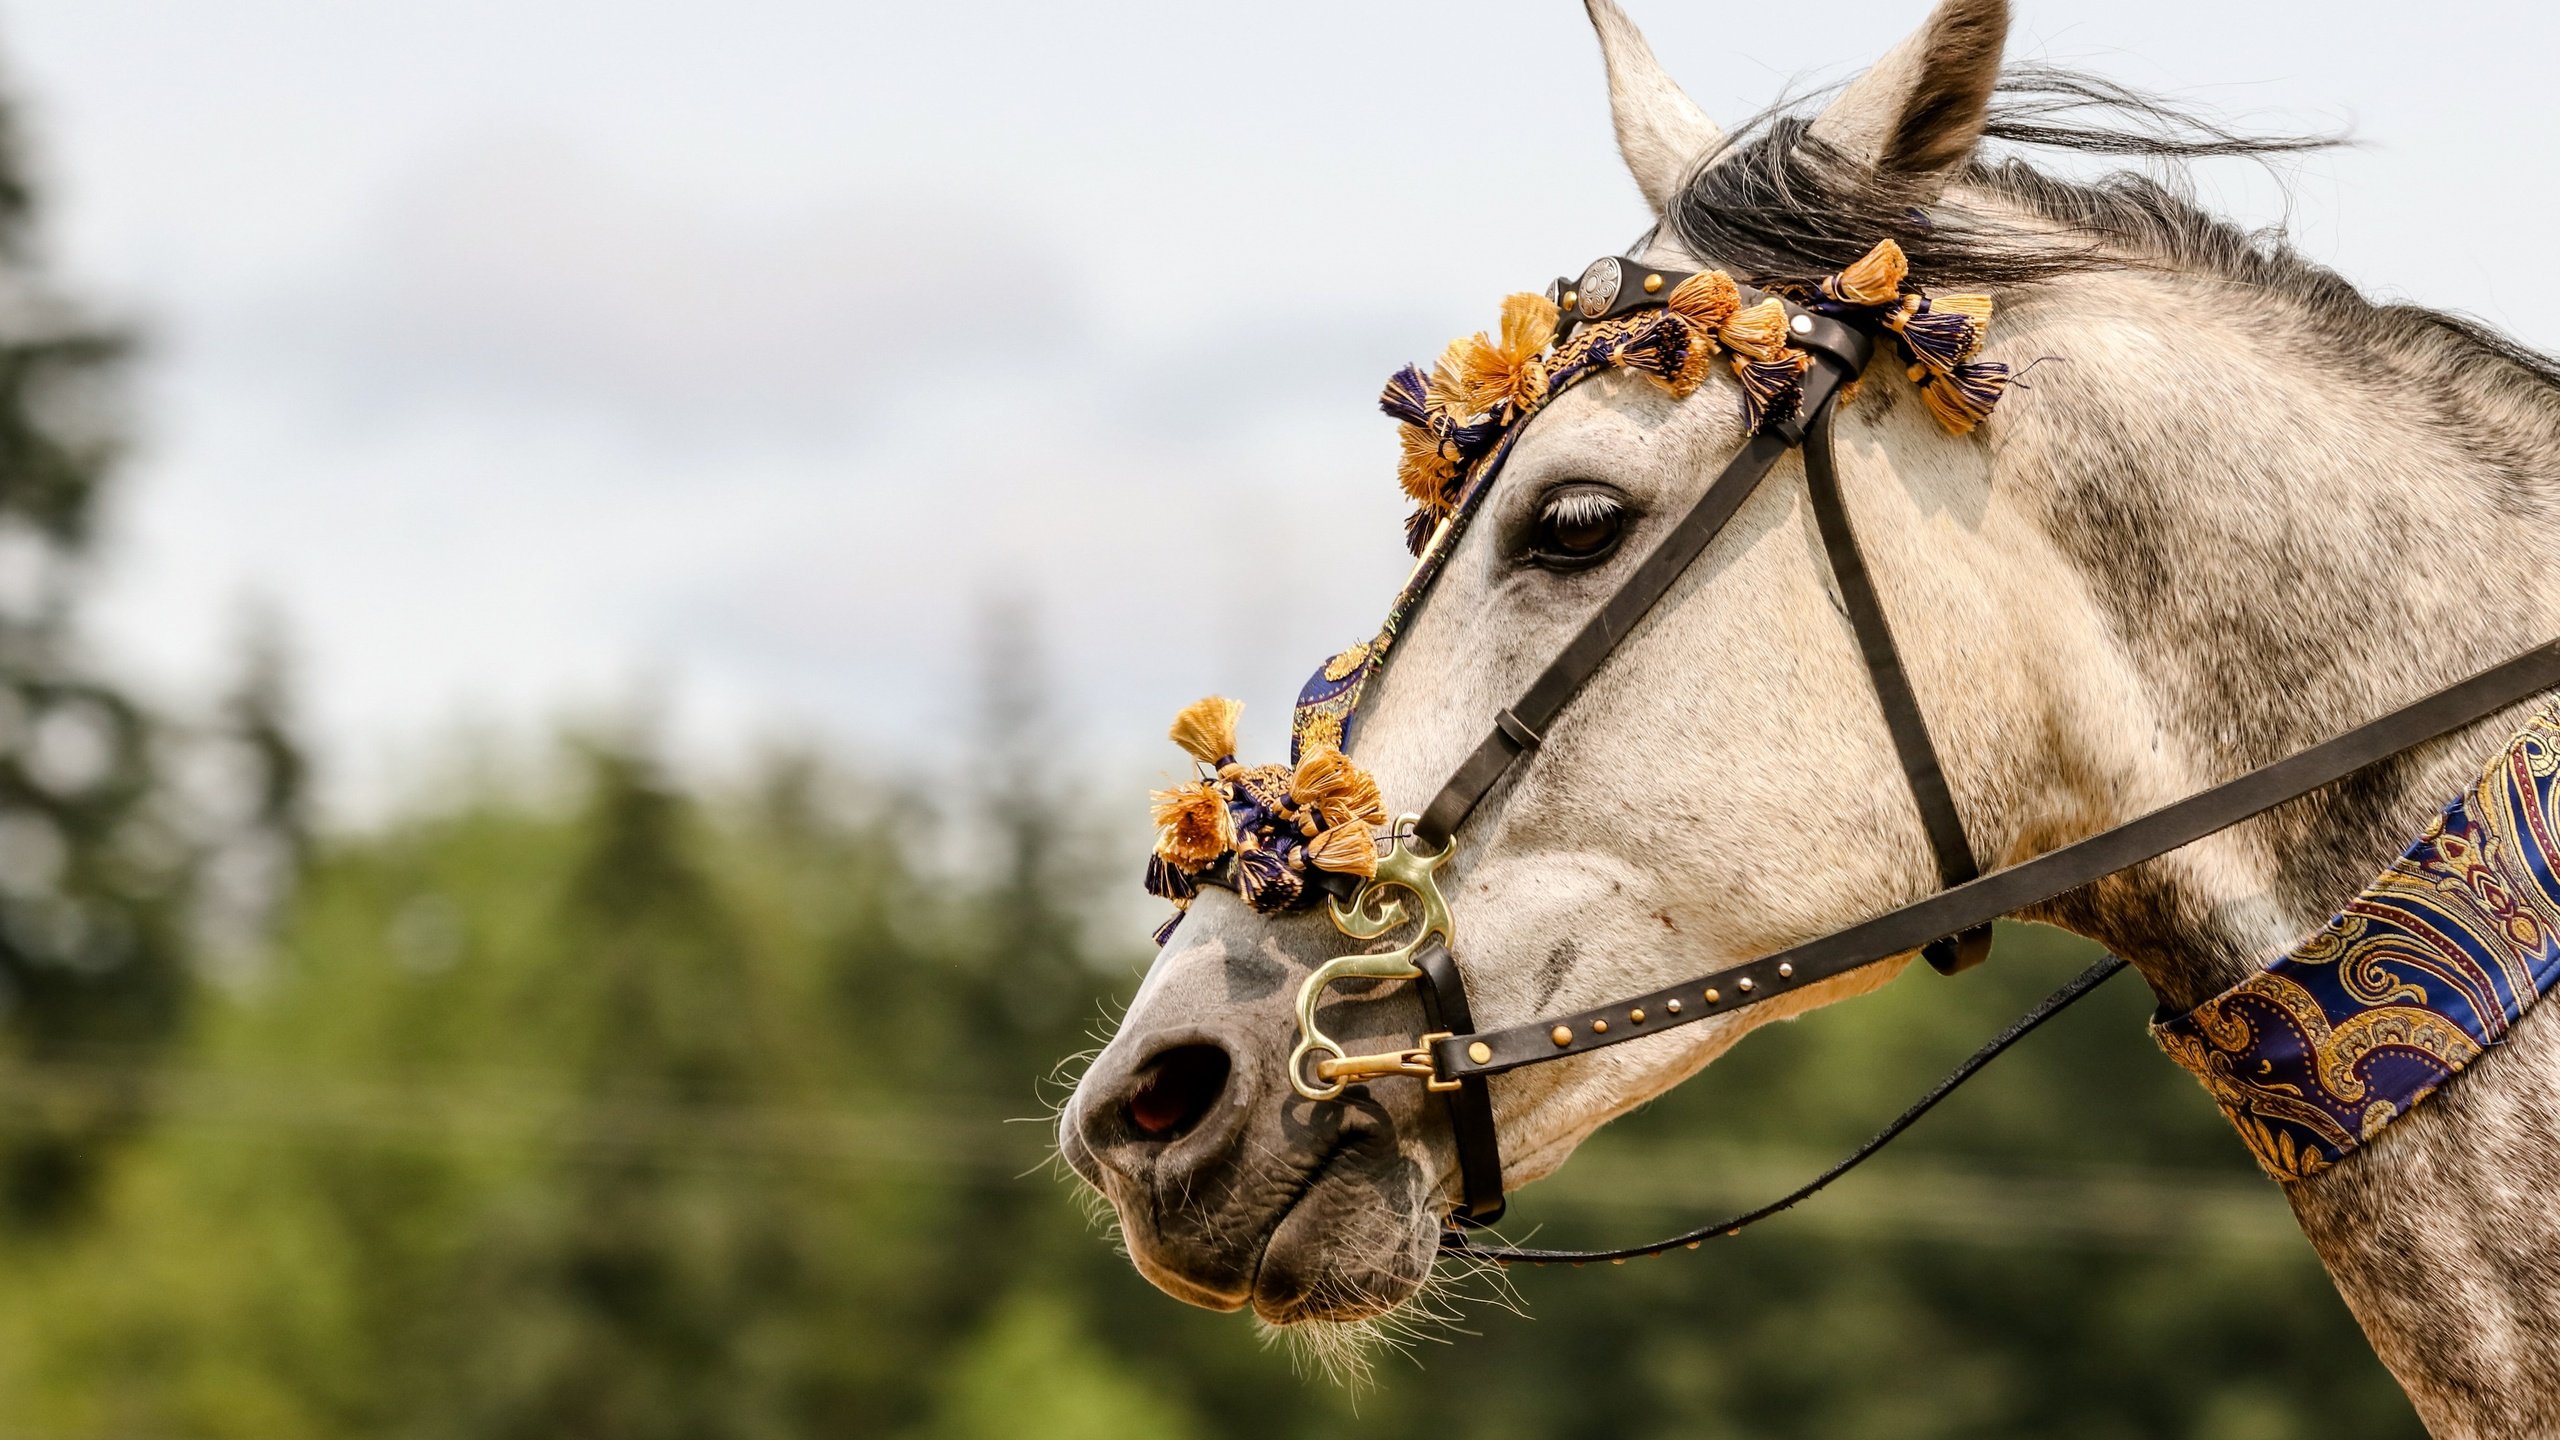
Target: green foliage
[92, 861]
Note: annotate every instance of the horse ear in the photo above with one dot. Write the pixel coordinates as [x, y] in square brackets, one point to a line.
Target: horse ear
[1661, 132]
[1919, 111]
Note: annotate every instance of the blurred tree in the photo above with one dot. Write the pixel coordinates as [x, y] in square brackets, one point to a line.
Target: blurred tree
[645, 1293]
[92, 862]
[1034, 1370]
[253, 803]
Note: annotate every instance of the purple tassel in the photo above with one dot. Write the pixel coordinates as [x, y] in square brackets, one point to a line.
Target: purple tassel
[1659, 349]
[1468, 442]
[1962, 398]
[1939, 339]
[1407, 397]
[1418, 527]
[1166, 882]
[1770, 388]
[1265, 881]
[1164, 932]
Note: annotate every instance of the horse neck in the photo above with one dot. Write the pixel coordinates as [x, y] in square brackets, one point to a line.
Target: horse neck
[2217, 534]
[2275, 525]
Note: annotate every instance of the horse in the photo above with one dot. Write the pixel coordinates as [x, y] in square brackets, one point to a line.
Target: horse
[2242, 507]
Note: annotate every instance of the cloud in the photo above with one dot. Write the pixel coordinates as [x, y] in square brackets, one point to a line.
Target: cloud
[518, 274]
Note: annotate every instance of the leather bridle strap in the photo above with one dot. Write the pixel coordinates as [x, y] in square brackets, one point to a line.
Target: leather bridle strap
[1902, 718]
[2004, 892]
[1840, 353]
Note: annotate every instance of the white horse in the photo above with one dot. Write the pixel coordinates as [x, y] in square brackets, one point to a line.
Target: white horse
[2248, 510]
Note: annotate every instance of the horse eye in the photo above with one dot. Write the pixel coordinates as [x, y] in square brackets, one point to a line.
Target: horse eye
[1577, 527]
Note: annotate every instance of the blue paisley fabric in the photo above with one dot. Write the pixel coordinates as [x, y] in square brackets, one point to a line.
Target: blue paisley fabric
[2433, 962]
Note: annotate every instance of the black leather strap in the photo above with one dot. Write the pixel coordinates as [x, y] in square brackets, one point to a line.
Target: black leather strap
[2003, 892]
[1470, 1106]
[1840, 353]
[1902, 717]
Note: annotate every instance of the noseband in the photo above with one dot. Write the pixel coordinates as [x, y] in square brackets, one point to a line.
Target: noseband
[1951, 928]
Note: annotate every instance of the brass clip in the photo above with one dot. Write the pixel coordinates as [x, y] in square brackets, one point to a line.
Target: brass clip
[1415, 1062]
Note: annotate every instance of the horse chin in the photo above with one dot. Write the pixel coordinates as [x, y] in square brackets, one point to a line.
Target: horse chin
[1340, 1240]
[1338, 1256]
[1353, 1244]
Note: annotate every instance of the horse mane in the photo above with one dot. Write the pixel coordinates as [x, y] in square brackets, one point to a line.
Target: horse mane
[1777, 204]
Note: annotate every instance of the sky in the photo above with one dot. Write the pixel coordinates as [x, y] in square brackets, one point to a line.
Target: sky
[535, 360]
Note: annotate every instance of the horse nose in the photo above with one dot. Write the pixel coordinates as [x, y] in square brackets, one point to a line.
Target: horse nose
[1165, 1108]
[1171, 1092]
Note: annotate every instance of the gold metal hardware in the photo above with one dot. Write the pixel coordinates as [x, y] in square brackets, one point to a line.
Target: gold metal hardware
[1415, 1062]
[1562, 1035]
[1636, 1016]
[1480, 1052]
[1373, 912]
[1713, 997]
[1653, 284]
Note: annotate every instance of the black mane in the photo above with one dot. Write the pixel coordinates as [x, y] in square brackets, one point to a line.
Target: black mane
[1776, 204]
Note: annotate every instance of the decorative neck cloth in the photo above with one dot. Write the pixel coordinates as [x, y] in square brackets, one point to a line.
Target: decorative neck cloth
[1281, 835]
[2433, 962]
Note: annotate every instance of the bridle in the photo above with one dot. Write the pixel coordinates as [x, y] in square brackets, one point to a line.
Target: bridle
[1951, 928]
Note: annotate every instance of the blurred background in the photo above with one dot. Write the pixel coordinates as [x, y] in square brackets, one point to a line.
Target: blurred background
[587, 600]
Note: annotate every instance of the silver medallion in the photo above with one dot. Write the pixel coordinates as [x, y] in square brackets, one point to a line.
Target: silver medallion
[1599, 288]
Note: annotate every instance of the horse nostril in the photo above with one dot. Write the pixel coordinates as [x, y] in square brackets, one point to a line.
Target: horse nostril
[1175, 1089]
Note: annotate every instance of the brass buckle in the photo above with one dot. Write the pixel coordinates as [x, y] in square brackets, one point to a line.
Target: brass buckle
[1373, 911]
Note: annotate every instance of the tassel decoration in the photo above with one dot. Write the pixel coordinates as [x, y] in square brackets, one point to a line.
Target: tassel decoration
[1508, 374]
[1706, 300]
[1759, 332]
[1207, 729]
[1426, 468]
[1164, 932]
[1876, 278]
[1419, 526]
[1193, 825]
[1962, 397]
[1407, 398]
[1267, 882]
[1166, 881]
[1335, 786]
[1770, 388]
[1664, 346]
[1941, 332]
[1346, 850]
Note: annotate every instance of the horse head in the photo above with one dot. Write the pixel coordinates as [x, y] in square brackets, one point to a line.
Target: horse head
[1712, 795]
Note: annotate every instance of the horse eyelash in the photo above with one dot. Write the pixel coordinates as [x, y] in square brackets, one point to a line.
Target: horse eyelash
[1579, 507]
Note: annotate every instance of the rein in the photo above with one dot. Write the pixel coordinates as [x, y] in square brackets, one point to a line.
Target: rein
[1952, 927]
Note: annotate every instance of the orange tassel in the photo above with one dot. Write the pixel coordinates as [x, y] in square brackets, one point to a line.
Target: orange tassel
[1347, 849]
[1207, 729]
[1331, 784]
[1193, 825]
[1759, 332]
[1876, 279]
[1706, 300]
